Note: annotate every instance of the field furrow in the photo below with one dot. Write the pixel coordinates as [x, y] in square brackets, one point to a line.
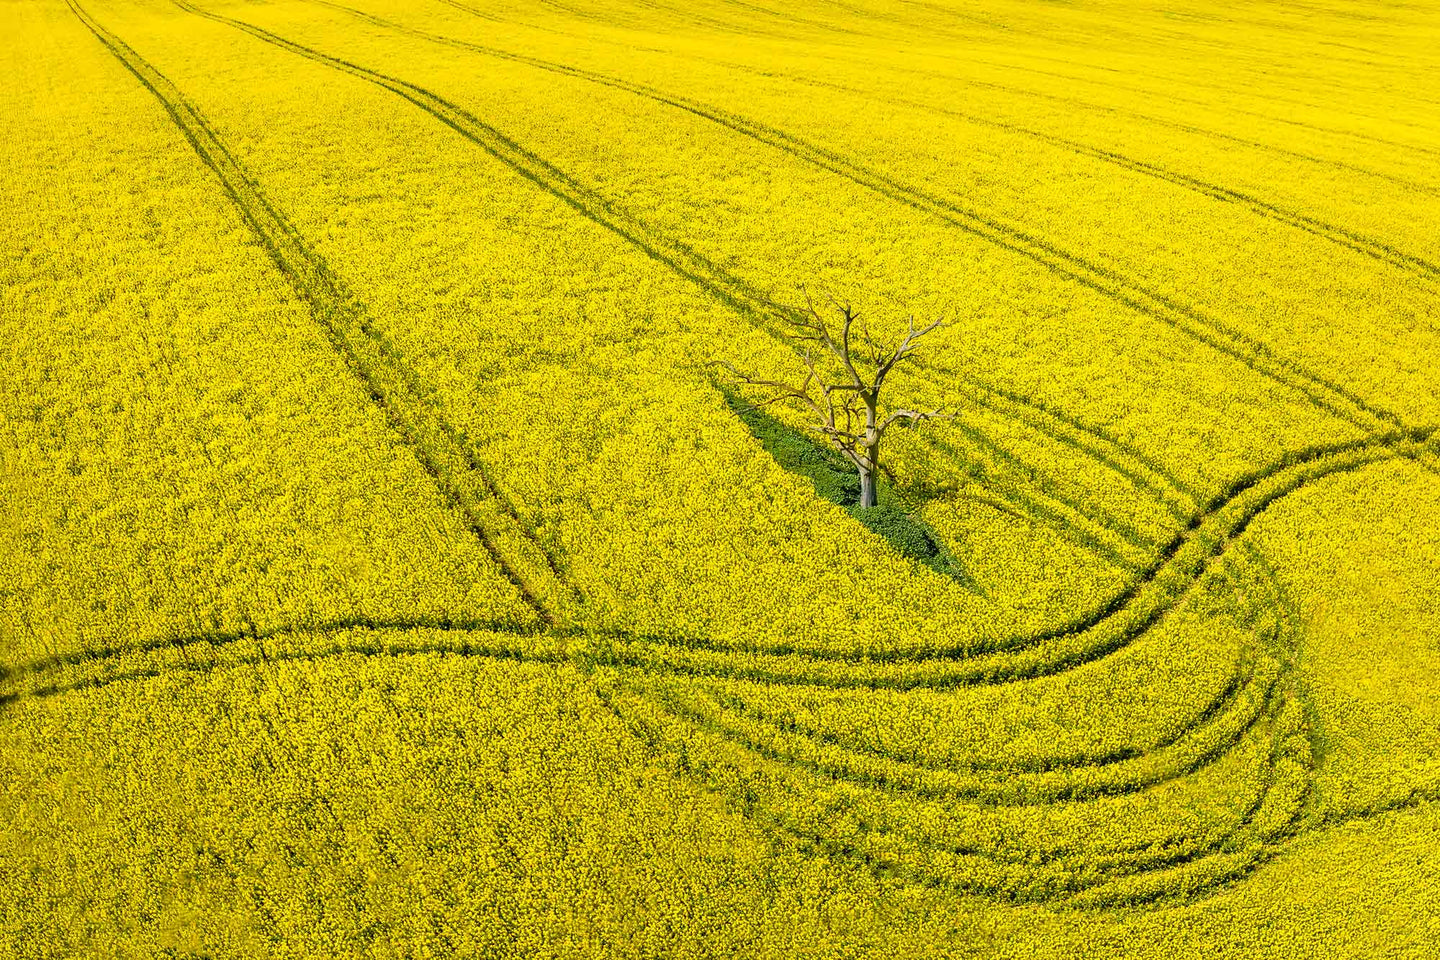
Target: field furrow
[421, 537]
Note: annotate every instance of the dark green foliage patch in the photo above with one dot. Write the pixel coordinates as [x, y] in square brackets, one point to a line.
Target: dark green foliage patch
[836, 480]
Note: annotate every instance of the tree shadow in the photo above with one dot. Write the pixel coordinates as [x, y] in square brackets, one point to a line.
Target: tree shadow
[893, 517]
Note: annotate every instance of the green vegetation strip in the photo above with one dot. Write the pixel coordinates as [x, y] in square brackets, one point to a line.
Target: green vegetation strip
[836, 480]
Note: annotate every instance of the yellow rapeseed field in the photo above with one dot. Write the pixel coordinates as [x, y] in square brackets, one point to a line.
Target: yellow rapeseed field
[385, 571]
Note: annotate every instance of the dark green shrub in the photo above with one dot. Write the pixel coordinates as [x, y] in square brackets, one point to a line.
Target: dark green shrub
[908, 537]
[836, 480]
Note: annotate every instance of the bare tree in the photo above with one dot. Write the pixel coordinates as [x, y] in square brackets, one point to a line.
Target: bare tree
[846, 404]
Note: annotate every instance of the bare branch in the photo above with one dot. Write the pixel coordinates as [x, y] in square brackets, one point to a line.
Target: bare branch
[877, 350]
[911, 417]
[846, 357]
[743, 377]
[786, 391]
[905, 349]
[847, 413]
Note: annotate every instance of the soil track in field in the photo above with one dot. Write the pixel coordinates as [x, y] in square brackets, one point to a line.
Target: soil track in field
[760, 310]
[1119, 875]
[1323, 392]
[386, 377]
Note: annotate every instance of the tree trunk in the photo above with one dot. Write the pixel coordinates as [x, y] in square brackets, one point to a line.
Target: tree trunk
[870, 461]
[867, 487]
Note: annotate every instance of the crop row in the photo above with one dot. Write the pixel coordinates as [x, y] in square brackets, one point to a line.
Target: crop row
[760, 310]
[1147, 847]
[1160, 305]
[384, 373]
[1251, 751]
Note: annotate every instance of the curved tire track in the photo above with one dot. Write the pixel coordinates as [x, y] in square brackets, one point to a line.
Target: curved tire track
[295, 259]
[1104, 630]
